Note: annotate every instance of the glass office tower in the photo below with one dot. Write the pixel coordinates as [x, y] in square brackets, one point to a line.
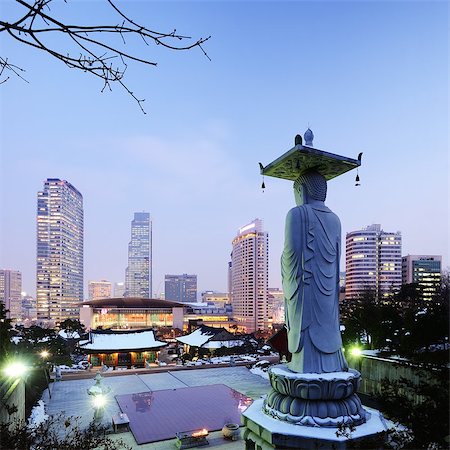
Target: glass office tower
[59, 268]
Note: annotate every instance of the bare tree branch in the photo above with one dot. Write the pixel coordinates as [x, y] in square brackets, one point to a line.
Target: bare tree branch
[95, 52]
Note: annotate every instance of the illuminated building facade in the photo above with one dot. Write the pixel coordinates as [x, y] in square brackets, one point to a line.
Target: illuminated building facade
[423, 270]
[250, 278]
[217, 299]
[181, 288]
[276, 297]
[99, 289]
[141, 313]
[10, 292]
[131, 313]
[59, 275]
[138, 275]
[373, 262]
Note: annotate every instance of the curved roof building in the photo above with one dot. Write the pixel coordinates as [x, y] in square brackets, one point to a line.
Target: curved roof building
[131, 313]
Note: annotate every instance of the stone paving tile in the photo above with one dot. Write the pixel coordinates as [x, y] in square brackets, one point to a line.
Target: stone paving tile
[161, 381]
[238, 378]
[71, 398]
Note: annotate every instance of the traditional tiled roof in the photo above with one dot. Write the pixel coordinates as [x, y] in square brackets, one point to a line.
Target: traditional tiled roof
[112, 341]
[204, 334]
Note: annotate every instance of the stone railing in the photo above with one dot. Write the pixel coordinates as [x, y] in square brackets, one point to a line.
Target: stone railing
[375, 369]
[12, 400]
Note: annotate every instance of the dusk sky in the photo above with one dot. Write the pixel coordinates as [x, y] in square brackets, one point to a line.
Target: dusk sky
[367, 77]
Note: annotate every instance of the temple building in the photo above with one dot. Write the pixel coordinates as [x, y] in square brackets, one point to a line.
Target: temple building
[121, 348]
[210, 338]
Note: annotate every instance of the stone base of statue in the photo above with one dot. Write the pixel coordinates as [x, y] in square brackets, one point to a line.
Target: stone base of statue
[310, 411]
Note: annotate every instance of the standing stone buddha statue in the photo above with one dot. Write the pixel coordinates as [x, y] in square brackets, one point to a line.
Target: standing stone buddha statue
[310, 274]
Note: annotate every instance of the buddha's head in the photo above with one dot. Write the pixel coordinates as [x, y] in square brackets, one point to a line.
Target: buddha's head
[311, 185]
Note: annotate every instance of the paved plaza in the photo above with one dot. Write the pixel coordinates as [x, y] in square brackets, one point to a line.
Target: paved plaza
[70, 396]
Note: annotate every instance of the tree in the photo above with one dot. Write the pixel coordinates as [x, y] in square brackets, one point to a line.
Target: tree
[36, 339]
[93, 51]
[58, 432]
[368, 320]
[5, 332]
[428, 419]
[72, 326]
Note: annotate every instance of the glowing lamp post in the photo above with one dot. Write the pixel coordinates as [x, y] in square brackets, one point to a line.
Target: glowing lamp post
[15, 369]
[13, 374]
[44, 354]
[356, 354]
[99, 393]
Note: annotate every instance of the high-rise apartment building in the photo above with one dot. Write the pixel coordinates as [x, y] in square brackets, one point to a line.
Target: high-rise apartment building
[423, 270]
[181, 288]
[119, 289]
[138, 275]
[10, 292]
[373, 262]
[250, 278]
[99, 289]
[59, 274]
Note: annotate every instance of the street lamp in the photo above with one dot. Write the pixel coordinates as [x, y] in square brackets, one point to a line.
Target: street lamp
[355, 351]
[15, 369]
[44, 354]
[99, 396]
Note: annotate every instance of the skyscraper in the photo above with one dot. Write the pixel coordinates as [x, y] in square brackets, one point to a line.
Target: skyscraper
[10, 292]
[181, 288]
[138, 275]
[59, 275]
[99, 289]
[119, 289]
[423, 270]
[373, 261]
[249, 278]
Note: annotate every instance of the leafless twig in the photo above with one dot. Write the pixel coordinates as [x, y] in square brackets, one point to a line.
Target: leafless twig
[96, 55]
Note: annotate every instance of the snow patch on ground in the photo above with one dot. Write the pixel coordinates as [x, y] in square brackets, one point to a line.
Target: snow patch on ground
[37, 415]
[260, 372]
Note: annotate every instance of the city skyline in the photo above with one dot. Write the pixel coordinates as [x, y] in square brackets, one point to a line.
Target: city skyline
[193, 159]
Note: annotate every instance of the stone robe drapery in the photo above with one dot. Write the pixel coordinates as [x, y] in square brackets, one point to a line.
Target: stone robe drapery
[310, 273]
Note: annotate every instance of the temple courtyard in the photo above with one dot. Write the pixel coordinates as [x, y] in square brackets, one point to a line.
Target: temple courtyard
[168, 401]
